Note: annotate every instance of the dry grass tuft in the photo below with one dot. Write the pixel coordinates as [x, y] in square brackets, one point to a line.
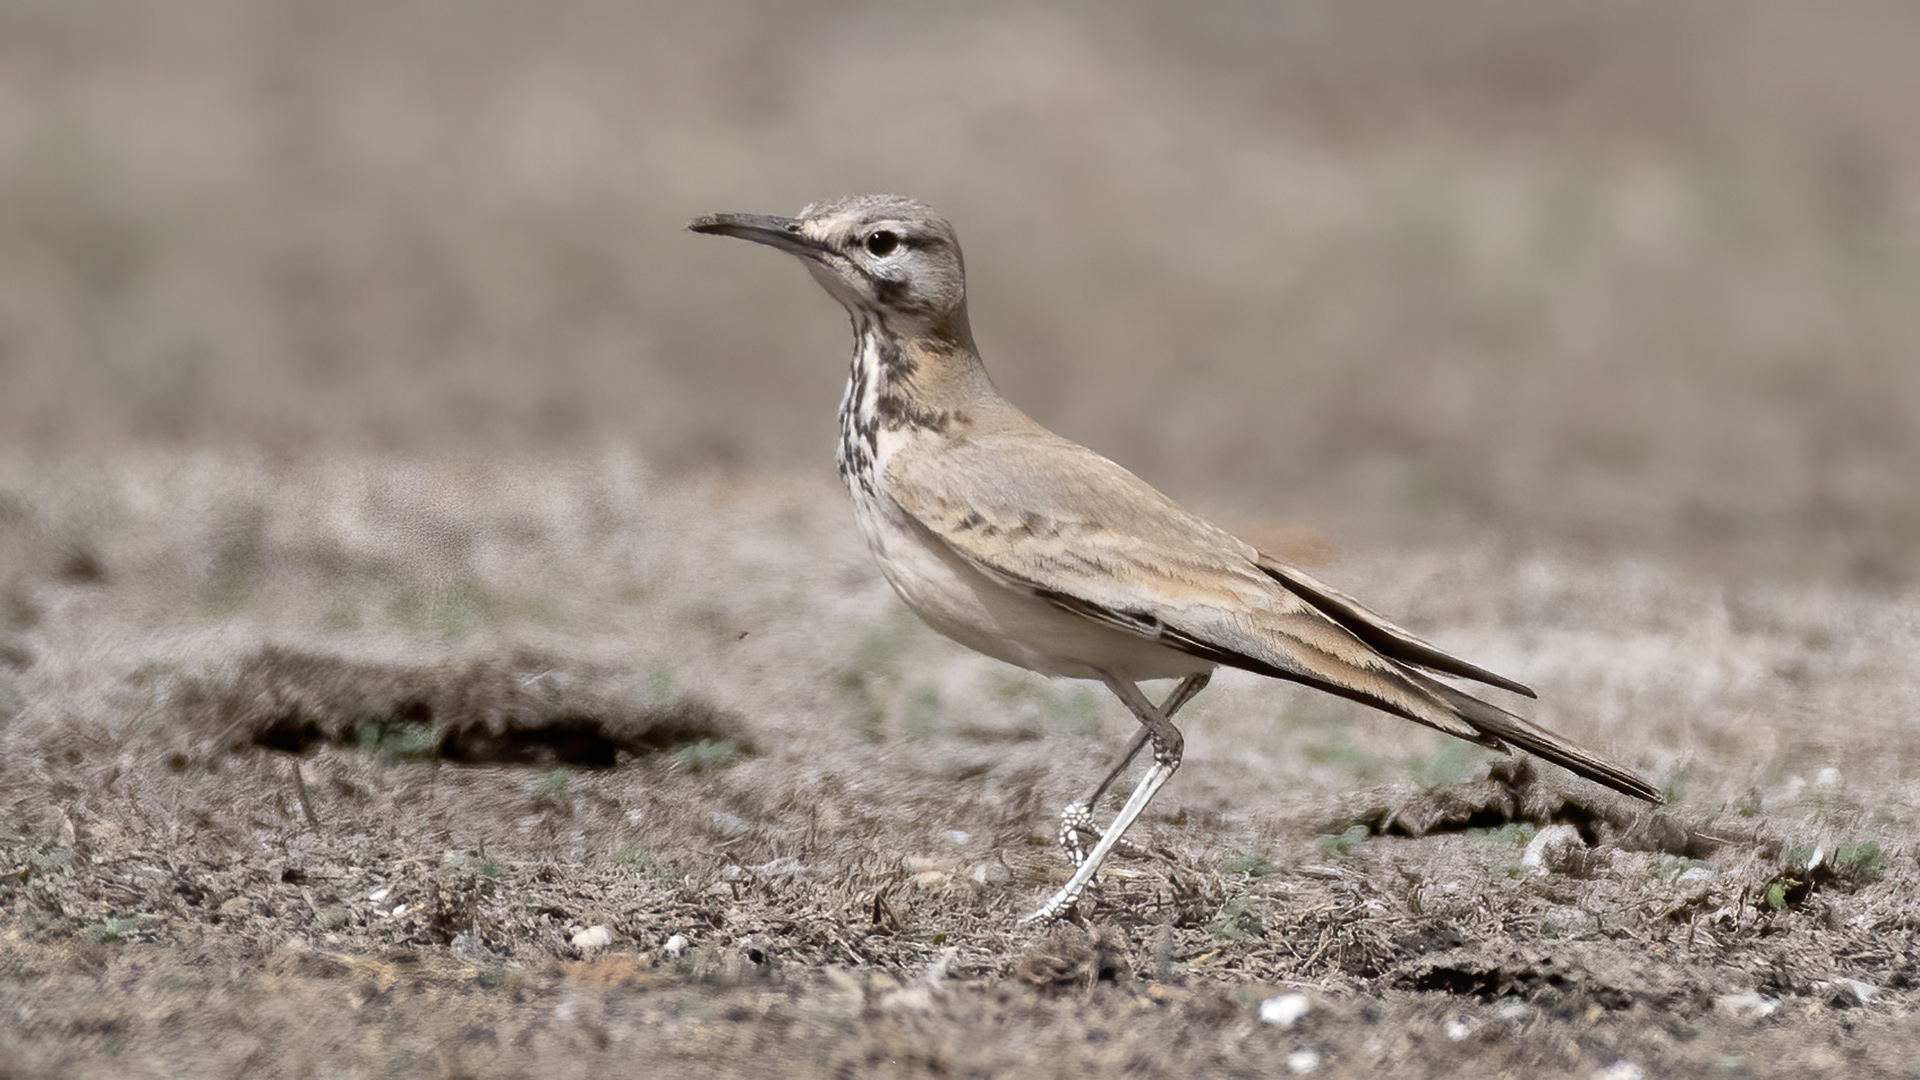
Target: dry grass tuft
[1074, 956]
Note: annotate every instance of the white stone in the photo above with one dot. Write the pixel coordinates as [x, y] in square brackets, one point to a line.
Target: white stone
[782, 866]
[1862, 992]
[1304, 1060]
[1510, 1009]
[937, 971]
[992, 871]
[677, 944]
[593, 937]
[1284, 1010]
[1457, 1030]
[1746, 1006]
[1619, 1070]
[1552, 849]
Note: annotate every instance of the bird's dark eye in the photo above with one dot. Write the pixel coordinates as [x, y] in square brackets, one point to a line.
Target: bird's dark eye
[882, 243]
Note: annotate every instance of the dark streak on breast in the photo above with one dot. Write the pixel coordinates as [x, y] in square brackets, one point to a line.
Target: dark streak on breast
[881, 396]
[857, 434]
[895, 413]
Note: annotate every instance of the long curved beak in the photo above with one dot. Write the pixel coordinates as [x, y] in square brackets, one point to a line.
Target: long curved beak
[777, 232]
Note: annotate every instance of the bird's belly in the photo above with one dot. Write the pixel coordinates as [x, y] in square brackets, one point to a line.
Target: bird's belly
[965, 604]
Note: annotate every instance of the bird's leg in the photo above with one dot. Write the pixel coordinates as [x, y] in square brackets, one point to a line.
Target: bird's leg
[1077, 819]
[1167, 745]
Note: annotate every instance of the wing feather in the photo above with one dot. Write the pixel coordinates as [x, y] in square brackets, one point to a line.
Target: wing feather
[1091, 538]
[1370, 627]
[1070, 527]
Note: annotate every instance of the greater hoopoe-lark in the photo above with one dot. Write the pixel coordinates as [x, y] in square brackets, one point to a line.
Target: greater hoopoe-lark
[1034, 550]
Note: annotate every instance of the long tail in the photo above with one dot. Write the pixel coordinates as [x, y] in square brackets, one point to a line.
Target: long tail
[1505, 727]
[1407, 653]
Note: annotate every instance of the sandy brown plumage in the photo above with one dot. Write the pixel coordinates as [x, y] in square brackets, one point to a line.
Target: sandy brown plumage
[1038, 551]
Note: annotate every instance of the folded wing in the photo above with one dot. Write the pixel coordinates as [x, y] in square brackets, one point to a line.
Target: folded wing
[1091, 538]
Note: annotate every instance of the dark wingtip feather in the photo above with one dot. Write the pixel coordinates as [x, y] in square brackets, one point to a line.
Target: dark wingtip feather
[1394, 642]
[1500, 724]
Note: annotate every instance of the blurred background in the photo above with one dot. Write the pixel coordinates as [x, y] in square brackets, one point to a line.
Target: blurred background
[1639, 278]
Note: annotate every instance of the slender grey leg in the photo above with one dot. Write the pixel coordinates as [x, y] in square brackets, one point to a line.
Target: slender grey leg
[1077, 819]
[1167, 746]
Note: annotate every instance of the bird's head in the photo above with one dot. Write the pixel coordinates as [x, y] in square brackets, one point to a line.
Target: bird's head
[890, 258]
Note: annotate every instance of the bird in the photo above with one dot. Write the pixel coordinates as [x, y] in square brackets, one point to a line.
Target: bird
[1039, 552]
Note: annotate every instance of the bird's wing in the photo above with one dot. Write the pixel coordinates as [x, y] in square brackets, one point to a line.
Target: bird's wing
[1369, 626]
[1044, 515]
[1047, 516]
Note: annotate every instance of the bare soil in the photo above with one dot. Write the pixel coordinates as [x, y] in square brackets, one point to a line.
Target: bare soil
[318, 805]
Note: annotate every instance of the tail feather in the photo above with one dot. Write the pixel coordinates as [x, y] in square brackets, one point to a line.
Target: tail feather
[1504, 727]
[1396, 686]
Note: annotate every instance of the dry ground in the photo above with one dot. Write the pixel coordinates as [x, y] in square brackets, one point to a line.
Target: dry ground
[419, 558]
[283, 798]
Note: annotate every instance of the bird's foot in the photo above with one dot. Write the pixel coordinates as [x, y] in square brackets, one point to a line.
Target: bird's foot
[1076, 821]
[1057, 905]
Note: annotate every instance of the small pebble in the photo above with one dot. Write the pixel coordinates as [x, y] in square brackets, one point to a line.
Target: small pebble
[1510, 1010]
[1862, 992]
[677, 944]
[593, 937]
[1746, 1006]
[1619, 1070]
[398, 910]
[1303, 1060]
[378, 895]
[937, 971]
[1553, 849]
[1284, 1010]
[1828, 777]
[782, 866]
[1457, 1030]
[992, 871]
